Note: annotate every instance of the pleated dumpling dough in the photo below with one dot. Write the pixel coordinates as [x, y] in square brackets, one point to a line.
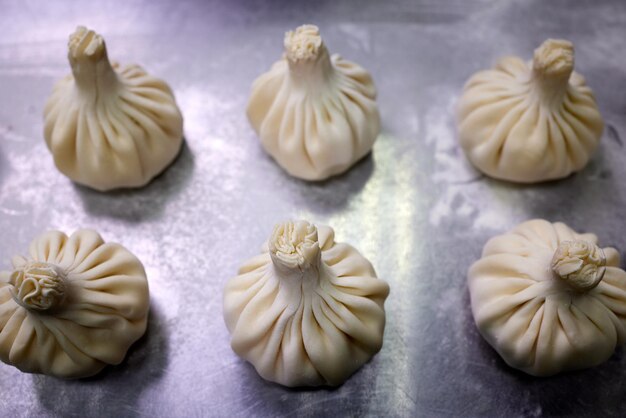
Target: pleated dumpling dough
[549, 299]
[108, 126]
[308, 311]
[74, 306]
[531, 122]
[316, 114]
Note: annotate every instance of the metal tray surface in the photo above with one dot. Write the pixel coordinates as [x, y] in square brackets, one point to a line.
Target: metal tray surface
[415, 207]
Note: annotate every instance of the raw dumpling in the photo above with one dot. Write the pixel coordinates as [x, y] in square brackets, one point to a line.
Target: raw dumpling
[109, 126]
[549, 299]
[531, 122]
[76, 305]
[316, 114]
[308, 311]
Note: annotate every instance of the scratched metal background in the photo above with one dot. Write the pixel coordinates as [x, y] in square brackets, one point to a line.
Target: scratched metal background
[415, 207]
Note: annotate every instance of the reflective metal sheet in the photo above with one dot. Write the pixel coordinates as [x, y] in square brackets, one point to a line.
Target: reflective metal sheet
[415, 207]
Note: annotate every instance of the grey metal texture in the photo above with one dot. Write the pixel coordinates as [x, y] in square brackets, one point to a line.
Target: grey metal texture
[414, 207]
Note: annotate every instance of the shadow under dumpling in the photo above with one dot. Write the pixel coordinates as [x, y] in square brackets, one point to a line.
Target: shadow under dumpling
[333, 194]
[135, 205]
[116, 390]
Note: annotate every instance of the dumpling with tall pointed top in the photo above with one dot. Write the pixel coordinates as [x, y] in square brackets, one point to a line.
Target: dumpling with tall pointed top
[533, 122]
[73, 306]
[307, 311]
[315, 114]
[110, 126]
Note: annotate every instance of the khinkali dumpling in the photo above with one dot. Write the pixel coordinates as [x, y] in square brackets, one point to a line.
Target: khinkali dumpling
[316, 114]
[530, 122]
[549, 299]
[110, 126]
[74, 306]
[308, 311]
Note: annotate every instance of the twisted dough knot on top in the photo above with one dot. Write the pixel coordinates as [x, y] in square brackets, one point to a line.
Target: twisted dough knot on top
[580, 263]
[303, 43]
[38, 286]
[294, 244]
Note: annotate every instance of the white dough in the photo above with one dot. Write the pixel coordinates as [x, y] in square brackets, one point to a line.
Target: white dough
[108, 126]
[549, 299]
[315, 114]
[308, 311]
[74, 306]
[532, 122]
